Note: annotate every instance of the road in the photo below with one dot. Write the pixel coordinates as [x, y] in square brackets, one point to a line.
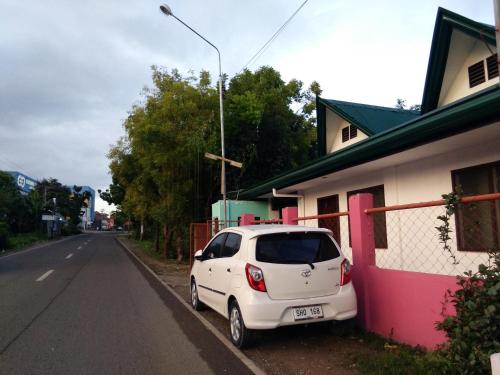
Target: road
[81, 306]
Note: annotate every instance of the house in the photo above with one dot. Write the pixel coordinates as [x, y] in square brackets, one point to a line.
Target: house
[404, 157]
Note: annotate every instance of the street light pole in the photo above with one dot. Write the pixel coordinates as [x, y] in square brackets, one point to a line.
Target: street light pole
[165, 9]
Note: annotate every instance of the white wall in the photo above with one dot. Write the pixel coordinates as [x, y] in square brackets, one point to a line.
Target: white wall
[334, 126]
[464, 52]
[412, 237]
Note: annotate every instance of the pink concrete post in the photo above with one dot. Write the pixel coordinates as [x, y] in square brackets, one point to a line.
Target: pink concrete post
[363, 251]
[289, 214]
[247, 219]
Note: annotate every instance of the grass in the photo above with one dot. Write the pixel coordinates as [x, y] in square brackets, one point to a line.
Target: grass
[148, 247]
[396, 359]
[22, 240]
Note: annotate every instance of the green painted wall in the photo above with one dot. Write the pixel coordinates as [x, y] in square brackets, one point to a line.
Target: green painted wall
[238, 208]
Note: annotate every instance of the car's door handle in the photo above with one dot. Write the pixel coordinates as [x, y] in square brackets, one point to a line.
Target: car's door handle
[228, 270]
[210, 269]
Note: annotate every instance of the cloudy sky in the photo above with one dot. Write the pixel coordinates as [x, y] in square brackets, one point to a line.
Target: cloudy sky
[71, 70]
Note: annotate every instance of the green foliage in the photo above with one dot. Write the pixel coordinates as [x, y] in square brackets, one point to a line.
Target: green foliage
[452, 200]
[160, 176]
[22, 240]
[67, 202]
[16, 209]
[474, 332]
[401, 104]
[269, 124]
[4, 236]
[388, 357]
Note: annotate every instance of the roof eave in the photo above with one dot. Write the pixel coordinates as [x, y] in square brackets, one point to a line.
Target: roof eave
[461, 116]
[445, 22]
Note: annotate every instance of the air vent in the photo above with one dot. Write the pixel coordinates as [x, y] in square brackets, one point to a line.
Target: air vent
[354, 131]
[476, 74]
[492, 65]
[345, 134]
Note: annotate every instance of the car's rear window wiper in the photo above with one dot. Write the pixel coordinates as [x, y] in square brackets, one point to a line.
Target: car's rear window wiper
[300, 261]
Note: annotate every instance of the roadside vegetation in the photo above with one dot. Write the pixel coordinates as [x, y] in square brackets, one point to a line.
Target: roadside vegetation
[21, 215]
[161, 180]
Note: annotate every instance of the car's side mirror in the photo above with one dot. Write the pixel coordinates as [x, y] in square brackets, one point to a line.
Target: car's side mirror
[198, 255]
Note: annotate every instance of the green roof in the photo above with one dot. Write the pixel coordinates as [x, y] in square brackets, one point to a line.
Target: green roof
[471, 112]
[371, 119]
[446, 21]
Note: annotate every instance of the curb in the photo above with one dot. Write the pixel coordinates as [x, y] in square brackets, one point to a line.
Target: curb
[18, 252]
[240, 355]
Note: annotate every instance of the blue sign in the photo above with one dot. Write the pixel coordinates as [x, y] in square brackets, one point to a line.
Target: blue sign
[23, 182]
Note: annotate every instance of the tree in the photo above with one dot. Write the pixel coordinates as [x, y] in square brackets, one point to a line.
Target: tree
[159, 164]
[401, 104]
[68, 202]
[15, 209]
[159, 172]
[262, 129]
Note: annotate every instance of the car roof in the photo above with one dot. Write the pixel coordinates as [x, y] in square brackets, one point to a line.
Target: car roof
[258, 230]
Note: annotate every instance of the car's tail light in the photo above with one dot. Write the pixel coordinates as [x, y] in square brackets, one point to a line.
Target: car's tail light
[255, 278]
[345, 275]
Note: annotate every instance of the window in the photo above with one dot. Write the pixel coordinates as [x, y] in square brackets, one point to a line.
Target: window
[379, 221]
[478, 224]
[295, 248]
[349, 132]
[213, 250]
[492, 65]
[476, 74]
[231, 246]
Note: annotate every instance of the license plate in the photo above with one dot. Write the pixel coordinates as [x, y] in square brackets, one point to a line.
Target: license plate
[307, 312]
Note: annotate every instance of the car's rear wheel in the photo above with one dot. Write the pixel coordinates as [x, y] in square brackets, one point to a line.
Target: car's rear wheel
[195, 300]
[241, 336]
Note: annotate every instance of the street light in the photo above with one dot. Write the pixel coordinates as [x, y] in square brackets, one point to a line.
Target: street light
[168, 12]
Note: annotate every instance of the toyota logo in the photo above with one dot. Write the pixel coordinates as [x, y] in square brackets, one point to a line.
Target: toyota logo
[306, 273]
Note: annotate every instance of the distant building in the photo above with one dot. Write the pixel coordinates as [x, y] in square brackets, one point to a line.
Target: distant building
[89, 215]
[26, 184]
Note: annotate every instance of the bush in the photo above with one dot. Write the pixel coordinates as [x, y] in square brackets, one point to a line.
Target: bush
[22, 240]
[4, 236]
[474, 333]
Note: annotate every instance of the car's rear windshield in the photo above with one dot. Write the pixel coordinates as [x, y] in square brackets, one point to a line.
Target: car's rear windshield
[295, 248]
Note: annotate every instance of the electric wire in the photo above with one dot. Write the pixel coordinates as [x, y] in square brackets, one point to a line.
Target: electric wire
[275, 35]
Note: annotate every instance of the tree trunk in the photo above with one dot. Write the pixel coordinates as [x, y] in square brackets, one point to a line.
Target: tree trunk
[165, 240]
[157, 237]
[178, 248]
[141, 236]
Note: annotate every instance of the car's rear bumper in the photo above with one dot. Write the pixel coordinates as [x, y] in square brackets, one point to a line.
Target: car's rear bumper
[261, 312]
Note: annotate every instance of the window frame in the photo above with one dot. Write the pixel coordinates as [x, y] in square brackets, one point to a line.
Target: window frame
[460, 226]
[381, 241]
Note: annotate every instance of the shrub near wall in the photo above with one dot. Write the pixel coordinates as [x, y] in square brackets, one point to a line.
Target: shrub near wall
[4, 236]
[474, 333]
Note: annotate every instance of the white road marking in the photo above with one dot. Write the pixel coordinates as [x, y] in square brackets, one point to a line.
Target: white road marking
[45, 275]
[79, 248]
[69, 256]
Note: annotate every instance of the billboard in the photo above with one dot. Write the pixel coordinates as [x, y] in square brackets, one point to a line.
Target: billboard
[23, 182]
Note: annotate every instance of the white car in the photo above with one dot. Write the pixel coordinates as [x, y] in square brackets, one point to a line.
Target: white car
[266, 276]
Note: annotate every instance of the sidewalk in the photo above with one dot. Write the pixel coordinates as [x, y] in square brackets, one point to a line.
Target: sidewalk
[295, 350]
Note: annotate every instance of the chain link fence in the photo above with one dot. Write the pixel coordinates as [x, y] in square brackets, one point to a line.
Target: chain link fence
[413, 243]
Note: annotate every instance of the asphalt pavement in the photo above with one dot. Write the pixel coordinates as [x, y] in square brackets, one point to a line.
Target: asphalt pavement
[81, 306]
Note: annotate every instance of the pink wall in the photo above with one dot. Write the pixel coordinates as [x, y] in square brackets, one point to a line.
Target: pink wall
[406, 305]
[400, 305]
